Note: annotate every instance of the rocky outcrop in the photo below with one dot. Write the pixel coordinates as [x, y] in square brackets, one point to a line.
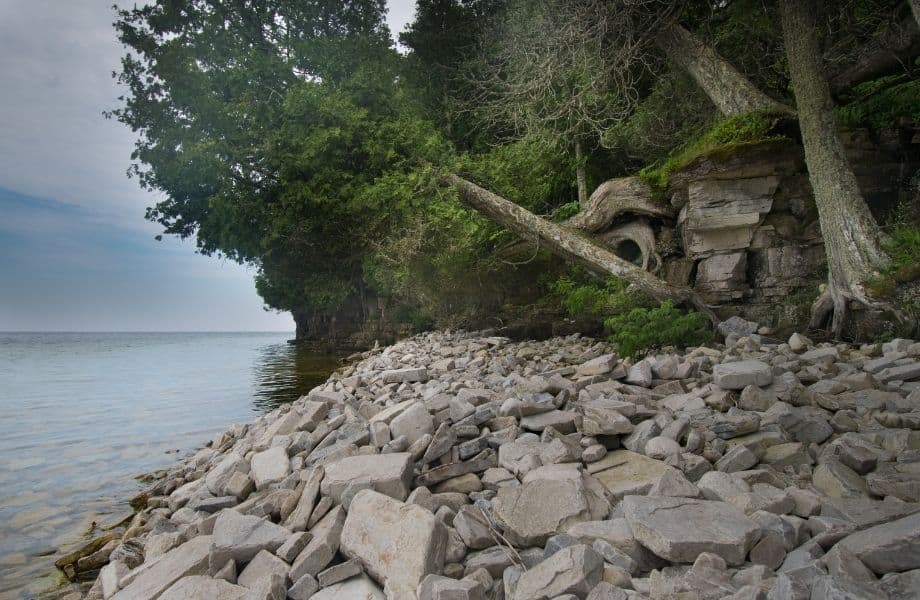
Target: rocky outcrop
[459, 465]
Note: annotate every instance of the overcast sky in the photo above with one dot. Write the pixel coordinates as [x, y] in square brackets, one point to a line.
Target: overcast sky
[75, 251]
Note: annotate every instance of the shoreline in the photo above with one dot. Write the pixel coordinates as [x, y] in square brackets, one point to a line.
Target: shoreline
[800, 448]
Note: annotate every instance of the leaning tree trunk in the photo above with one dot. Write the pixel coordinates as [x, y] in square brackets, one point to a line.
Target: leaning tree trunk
[729, 90]
[571, 245]
[851, 235]
[580, 177]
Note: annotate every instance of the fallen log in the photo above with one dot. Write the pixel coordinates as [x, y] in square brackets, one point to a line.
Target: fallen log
[571, 245]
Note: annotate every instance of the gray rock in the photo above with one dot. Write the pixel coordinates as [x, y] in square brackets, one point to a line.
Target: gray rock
[738, 375]
[407, 375]
[640, 374]
[303, 588]
[300, 516]
[661, 447]
[379, 530]
[732, 425]
[643, 432]
[152, 579]
[358, 588]
[389, 474]
[473, 528]
[293, 546]
[436, 587]
[322, 548]
[413, 423]
[533, 512]
[199, 587]
[673, 483]
[339, 572]
[241, 537]
[737, 326]
[270, 466]
[623, 472]
[679, 529]
[901, 586]
[597, 366]
[737, 459]
[263, 566]
[573, 570]
[218, 477]
[561, 421]
[835, 479]
[889, 547]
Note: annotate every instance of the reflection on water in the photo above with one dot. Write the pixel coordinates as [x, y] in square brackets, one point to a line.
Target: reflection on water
[82, 414]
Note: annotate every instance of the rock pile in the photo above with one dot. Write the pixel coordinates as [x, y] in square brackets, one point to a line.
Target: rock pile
[457, 466]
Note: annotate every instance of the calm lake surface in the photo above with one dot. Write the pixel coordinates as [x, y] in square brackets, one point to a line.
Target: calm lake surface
[83, 414]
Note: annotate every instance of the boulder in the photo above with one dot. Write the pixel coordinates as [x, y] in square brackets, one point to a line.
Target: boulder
[572, 570]
[270, 466]
[322, 547]
[414, 423]
[623, 472]
[740, 374]
[156, 577]
[529, 514]
[398, 544]
[389, 474]
[241, 537]
[889, 547]
[680, 529]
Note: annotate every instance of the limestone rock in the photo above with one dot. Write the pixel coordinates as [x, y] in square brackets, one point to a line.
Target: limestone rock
[270, 466]
[198, 587]
[389, 474]
[398, 544]
[573, 570]
[738, 375]
[680, 529]
[241, 537]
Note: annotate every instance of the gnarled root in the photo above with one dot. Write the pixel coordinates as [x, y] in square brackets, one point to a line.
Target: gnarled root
[834, 303]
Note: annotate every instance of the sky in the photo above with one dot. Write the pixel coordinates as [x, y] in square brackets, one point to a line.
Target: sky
[76, 253]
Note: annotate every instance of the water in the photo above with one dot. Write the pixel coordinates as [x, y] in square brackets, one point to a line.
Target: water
[83, 414]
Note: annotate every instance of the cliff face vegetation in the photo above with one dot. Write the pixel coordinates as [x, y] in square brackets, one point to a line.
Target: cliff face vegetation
[742, 157]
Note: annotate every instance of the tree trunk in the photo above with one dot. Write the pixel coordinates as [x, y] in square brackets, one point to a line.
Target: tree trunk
[580, 174]
[731, 92]
[571, 245]
[915, 8]
[851, 235]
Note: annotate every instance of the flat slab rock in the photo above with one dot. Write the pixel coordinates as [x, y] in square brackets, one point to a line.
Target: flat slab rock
[889, 547]
[738, 375]
[573, 570]
[389, 474]
[190, 558]
[398, 544]
[531, 513]
[680, 529]
[625, 473]
[356, 588]
[198, 587]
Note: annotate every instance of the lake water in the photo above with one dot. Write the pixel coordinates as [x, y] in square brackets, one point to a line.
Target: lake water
[83, 414]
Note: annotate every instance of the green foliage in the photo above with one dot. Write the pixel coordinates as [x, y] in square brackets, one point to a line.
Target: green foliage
[753, 127]
[880, 103]
[637, 323]
[903, 249]
[644, 329]
[566, 211]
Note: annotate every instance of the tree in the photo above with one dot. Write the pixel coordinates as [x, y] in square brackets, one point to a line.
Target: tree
[568, 68]
[266, 125]
[852, 238]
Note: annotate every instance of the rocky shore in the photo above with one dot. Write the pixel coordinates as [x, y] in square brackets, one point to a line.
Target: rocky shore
[461, 466]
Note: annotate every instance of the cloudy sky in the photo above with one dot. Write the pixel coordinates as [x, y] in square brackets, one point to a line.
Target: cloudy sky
[75, 251]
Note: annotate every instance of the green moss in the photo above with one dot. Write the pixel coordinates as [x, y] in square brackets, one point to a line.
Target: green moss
[723, 140]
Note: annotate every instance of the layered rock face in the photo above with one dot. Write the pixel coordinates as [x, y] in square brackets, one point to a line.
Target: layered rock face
[461, 466]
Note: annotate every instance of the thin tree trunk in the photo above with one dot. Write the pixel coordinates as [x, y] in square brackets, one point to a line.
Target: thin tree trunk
[571, 245]
[729, 90]
[915, 8]
[851, 235]
[580, 177]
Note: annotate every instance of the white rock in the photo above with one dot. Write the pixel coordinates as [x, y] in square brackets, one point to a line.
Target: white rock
[389, 474]
[737, 375]
[198, 587]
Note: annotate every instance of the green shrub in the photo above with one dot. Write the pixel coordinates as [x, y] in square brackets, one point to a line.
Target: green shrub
[644, 329]
[635, 320]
